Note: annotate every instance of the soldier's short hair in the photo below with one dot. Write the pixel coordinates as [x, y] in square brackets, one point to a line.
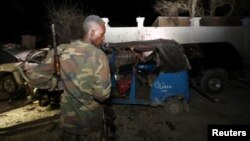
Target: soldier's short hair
[90, 20]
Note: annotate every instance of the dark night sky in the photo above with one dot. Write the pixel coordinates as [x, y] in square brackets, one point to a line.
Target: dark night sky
[30, 16]
[19, 17]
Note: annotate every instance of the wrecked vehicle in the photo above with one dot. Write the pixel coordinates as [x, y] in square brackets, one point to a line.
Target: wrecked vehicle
[152, 72]
[213, 65]
[12, 58]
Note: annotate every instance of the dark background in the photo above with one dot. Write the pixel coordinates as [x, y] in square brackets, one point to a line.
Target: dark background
[30, 17]
[19, 17]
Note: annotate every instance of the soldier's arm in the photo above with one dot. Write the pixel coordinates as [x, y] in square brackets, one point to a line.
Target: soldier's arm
[102, 83]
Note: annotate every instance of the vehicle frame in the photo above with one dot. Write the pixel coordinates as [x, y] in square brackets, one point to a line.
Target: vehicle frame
[12, 71]
[169, 86]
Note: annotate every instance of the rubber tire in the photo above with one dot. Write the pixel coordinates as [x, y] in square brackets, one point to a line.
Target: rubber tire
[218, 75]
[43, 100]
[174, 106]
[10, 85]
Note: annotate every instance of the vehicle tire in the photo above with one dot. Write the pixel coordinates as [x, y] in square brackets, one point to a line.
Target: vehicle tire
[213, 81]
[174, 106]
[10, 86]
[43, 100]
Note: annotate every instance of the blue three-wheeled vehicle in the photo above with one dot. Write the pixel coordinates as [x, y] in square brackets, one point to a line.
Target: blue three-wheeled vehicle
[152, 72]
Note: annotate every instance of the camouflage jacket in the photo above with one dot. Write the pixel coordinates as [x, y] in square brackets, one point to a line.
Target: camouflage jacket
[85, 76]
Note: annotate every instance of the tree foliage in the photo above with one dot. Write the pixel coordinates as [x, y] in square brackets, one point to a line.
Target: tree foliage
[215, 4]
[171, 8]
[68, 19]
[195, 7]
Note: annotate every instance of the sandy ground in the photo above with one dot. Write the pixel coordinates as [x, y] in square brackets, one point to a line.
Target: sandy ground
[25, 114]
[140, 123]
[146, 123]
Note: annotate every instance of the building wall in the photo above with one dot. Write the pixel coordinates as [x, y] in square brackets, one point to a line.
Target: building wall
[237, 35]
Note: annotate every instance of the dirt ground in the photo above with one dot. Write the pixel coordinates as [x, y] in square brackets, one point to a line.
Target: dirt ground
[146, 123]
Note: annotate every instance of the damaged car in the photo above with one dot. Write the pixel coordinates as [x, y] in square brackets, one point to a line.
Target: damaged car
[12, 59]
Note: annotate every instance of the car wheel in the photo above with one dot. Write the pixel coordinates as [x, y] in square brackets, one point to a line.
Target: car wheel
[174, 106]
[10, 85]
[44, 100]
[213, 81]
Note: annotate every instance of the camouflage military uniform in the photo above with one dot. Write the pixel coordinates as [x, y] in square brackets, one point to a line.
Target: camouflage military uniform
[85, 76]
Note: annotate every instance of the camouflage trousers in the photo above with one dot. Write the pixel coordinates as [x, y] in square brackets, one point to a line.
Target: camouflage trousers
[95, 136]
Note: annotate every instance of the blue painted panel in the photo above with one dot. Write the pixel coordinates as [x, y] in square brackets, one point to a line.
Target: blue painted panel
[170, 84]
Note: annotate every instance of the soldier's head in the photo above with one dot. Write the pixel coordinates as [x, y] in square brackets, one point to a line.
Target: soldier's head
[94, 30]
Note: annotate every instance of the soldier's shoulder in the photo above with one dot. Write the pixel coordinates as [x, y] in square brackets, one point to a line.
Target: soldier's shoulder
[79, 43]
[100, 53]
